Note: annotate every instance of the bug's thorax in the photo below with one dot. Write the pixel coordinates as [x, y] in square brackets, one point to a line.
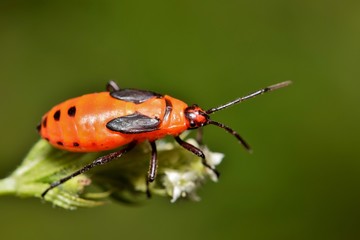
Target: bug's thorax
[173, 121]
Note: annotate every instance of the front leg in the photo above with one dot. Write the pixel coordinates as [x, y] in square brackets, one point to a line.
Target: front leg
[197, 152]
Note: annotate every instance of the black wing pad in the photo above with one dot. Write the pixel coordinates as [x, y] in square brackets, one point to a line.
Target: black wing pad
[133, 123]
[133, 95]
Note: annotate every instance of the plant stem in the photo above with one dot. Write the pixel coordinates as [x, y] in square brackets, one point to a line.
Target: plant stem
[7, 186]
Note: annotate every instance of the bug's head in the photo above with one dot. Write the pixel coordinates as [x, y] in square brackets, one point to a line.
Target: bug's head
[197, 117]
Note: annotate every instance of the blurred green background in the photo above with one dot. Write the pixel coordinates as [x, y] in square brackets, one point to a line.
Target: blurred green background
[301, 182]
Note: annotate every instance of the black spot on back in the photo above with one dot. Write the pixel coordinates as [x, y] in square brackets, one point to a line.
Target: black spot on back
[72, 111]
[133, 95]
[59, 143]
[57, 115]
[44, 122]
[76, 144]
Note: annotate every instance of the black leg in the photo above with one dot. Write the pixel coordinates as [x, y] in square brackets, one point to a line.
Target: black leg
[197, 152]
[99, 161]
[112, 86]
[152, 168]
[153, 163]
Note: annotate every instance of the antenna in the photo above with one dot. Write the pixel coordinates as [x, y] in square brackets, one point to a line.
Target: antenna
[232, 132]
[251, 95]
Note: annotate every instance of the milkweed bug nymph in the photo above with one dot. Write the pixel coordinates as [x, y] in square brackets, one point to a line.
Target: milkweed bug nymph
[125, 117]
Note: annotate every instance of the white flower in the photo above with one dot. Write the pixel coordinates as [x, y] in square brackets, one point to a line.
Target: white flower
[184, 183]
[181, 184]
[212, 158]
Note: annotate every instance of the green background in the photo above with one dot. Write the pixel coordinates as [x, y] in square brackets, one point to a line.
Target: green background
[301, 182]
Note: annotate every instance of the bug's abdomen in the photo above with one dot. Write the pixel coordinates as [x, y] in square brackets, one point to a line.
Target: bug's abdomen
[82, 124]
[79, 124]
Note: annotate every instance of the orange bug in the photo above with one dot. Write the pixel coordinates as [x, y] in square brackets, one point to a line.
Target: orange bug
[125, 117]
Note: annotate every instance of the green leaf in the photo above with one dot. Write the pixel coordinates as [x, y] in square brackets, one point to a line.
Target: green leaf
[180, 173]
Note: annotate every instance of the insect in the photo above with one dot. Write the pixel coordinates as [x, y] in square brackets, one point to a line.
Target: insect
[125, 117]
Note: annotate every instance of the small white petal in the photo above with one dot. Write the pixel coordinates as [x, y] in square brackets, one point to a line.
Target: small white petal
[216, 158]
[173, 176]
[175, 194]
[181, 184]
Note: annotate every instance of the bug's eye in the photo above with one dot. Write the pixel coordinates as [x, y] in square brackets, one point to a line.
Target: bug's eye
[192, 124]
